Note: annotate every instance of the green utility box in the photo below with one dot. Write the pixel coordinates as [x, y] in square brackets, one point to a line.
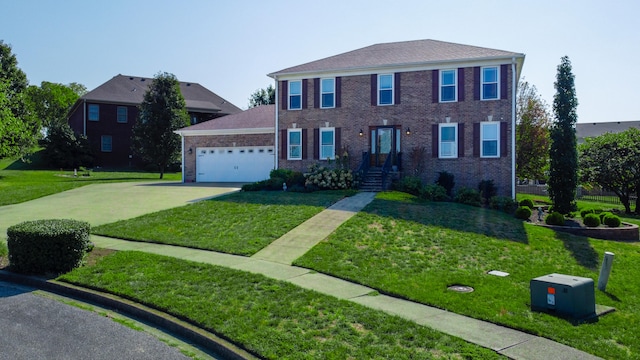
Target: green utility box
[564, 295]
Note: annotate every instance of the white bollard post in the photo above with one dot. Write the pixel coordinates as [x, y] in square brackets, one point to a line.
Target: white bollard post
[605, 270]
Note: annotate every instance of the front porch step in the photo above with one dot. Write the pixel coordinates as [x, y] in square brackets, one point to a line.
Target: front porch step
[373, 180]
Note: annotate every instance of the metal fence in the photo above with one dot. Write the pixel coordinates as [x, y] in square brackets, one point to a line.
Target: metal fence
[595, 194]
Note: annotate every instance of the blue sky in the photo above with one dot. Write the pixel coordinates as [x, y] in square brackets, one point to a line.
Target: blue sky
[230, 46]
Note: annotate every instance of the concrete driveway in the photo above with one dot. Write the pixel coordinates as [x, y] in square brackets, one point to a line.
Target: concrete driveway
[105, 203]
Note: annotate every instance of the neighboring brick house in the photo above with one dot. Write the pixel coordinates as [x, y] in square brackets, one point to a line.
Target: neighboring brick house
[456, 102]
[232, 148]
[106, 115]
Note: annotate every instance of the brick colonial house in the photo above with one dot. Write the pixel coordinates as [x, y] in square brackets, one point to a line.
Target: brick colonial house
[419, 106]
[106, 115]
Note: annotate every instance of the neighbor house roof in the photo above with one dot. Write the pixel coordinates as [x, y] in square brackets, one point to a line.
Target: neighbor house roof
[405, 54]
[257, 120]
[585, 130]
[130, 90]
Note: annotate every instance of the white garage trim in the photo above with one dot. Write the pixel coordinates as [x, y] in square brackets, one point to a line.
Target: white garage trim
[234, 164]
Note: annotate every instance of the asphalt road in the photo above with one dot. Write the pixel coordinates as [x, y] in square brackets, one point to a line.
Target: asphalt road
[35, 327]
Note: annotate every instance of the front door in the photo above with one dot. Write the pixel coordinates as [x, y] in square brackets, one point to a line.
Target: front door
[384, 143]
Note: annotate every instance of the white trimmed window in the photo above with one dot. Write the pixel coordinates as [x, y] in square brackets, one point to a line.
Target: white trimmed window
[328, 93]
[294, 145]
[490, 88]
[106, 143]
[327, 143]
[122, 114]
[448, 141]
[385, 89]
[94, 112]
[448, 85]
[490, 139]
[295, 95]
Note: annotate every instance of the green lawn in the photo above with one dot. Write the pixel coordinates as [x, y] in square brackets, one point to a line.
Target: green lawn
[270, 318]
[19, 183]
[240, 223]
[412, 249]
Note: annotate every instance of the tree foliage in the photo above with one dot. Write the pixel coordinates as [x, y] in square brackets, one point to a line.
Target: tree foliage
[263, 97]
[532, 133]
[64, 149]
[612, 161]
[19, 129]
[51, 101]
[563, 154]
[162, 111]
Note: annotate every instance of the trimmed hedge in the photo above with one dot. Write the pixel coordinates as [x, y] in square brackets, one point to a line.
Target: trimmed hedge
[591, 220]
[527, 202]
[555, 218]
[47, 246]
[611, 220]
[504, 204]
[468, 196]
[523, 212]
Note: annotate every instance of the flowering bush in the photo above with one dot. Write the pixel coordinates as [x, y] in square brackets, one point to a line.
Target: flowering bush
[325, 178]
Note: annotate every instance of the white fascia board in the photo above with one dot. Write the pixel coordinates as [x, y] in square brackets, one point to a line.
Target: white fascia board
[269, 130]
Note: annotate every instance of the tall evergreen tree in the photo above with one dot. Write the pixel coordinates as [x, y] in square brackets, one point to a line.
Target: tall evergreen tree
[263, 97]
[563, 167]
[162, 111]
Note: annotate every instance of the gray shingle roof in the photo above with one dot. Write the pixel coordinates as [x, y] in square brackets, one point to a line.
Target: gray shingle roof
[585, 130]
[261, 118]
[406, 53]
[123, 89]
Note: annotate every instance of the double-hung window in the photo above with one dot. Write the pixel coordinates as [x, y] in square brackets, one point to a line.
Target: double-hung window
[122, 114]
[106, 143]
[294, 137]
[448, 86]
[327, 143]
[327, 93]
[490, 139]
[94, 112]
[295, 95]
[448, 146]
[385, 89]
[490, 88]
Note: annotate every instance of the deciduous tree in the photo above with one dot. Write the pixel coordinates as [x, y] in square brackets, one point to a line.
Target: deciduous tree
[263, 97]
[51, 101]
[162, 111]
[532, 133]
[563, 166]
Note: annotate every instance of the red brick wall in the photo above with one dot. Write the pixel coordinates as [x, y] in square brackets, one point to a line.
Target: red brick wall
[415, 111]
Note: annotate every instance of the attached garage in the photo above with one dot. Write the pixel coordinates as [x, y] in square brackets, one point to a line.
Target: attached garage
[236, 148]
[234, 164]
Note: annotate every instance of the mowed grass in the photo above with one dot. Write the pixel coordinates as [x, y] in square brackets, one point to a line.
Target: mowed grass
[18, 183]
[240, 223]
[270, 318]
[415, 250]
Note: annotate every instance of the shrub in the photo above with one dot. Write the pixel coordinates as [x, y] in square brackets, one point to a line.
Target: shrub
[504, 204]
[41, 246]
[410, 184]
[487, 190]
[434, 192]
[523, 212]
[603, 214]
[591, 220]
[528, 203]
[555, 218]
[468, 196]
[612, 220]
[586, 211]
[324, 178]
[445, 179]
[291, 177]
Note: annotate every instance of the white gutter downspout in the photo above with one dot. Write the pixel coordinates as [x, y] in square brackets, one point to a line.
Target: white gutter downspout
[513, 128]
[84, 117]
[183, 157]
[277, 149]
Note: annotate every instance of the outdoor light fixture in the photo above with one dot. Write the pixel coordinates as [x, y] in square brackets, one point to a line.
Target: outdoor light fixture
[490, 118]
[190, 151]
[360, 133]
[408, 131]
[447, 119]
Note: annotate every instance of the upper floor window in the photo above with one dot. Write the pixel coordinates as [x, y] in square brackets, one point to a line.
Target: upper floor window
[490, 89]
[448, 146]
[294, 137]
[448, 86]
[106, 143]
[122, 114]
[94, 112]
[295, 95]
[327, 143]
[490, 139]
[385, 89]
[327, 93]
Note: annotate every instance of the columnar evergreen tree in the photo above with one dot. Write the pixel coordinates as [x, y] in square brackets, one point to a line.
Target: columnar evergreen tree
[162, 111]
[563, 166]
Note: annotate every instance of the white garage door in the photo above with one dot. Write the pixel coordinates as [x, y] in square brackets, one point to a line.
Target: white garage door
[235, 164]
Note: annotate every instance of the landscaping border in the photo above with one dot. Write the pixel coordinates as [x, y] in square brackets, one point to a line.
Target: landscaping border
[626, 231]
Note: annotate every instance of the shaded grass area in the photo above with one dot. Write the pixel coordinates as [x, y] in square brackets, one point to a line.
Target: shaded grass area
[270, 318]
[23, 183]
[240, 223]
[412, 249]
